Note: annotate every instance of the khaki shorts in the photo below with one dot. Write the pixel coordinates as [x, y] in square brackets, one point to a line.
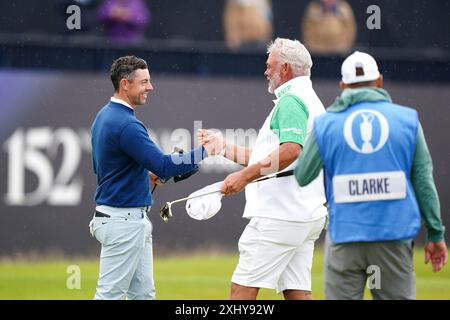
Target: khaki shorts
[277, 254]
[386, 268]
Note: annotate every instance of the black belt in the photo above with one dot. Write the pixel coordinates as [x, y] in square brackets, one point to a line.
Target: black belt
[101, 214]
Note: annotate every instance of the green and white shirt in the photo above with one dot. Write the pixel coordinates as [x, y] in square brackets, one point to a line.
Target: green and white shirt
[290, 120]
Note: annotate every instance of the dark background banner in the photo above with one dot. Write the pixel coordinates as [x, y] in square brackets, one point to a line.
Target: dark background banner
[47, 185]
[405, 24]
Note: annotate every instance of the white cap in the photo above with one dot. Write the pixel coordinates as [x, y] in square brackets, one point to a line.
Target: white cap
[359, 60]
[205, 207]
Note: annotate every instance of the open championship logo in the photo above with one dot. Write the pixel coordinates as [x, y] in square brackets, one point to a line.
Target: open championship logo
[370, 135]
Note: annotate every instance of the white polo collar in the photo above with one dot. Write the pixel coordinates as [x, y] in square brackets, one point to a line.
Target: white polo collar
[120, 101]
[293, 85]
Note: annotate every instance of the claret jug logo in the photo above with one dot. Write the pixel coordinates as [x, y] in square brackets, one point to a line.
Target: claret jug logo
[366, 131]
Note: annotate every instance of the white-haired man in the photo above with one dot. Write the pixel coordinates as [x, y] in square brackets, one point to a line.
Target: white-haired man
[276, 247]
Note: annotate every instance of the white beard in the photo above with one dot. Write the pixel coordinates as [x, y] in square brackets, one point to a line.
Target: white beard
[274, 83]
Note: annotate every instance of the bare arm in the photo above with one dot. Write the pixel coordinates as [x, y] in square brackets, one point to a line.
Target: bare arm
[215, 144]
[240, 155]
[276, 161]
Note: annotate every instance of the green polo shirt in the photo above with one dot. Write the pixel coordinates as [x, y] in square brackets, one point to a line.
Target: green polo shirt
[290, 119]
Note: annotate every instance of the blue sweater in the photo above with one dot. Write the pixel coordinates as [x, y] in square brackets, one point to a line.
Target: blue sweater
[123, 154]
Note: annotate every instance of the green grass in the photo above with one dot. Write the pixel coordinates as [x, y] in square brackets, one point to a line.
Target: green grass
[199, 277]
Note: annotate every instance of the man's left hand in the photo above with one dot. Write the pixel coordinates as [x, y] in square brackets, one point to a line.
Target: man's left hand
[154, 180]
[437, 253]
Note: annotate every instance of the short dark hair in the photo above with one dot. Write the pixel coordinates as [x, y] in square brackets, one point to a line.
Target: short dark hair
[362, 84]
[124, 67]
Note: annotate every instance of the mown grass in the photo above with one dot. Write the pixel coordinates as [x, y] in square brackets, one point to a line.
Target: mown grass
[200, 277]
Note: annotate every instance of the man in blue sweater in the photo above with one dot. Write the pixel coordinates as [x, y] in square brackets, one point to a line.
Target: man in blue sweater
[124, 157]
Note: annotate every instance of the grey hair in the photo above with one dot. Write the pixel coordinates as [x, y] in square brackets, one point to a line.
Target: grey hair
[294, 53]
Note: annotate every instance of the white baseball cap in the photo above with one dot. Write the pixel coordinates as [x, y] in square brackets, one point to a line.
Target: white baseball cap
[359, 60]
[205, 207]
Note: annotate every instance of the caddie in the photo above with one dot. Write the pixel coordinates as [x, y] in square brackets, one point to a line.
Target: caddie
[379, 183]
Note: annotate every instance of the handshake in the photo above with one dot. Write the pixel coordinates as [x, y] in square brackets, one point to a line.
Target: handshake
[213, 141]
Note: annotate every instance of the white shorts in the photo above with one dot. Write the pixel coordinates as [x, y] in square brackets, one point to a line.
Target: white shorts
[277, 254]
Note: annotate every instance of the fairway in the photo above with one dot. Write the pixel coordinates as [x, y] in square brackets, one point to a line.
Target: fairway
[201, 277]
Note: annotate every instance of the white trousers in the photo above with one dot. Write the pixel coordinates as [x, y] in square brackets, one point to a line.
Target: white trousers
[126, 258]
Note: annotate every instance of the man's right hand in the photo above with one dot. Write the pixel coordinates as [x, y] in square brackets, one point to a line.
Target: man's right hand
[438, 254]
[212, 140]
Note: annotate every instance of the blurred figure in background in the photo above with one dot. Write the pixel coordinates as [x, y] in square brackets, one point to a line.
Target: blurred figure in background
[247, 22]
[124, 20]
[329, 27]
